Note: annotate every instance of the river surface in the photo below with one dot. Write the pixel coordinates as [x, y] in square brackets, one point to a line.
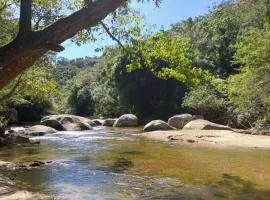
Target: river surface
[110, 164]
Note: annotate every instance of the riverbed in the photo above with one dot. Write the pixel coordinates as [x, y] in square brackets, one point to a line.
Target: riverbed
[107, 163]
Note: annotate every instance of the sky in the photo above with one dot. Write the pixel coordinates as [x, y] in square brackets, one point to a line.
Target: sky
[170, 12]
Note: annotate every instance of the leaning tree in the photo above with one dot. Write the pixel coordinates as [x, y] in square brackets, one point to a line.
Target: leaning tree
[30, 44]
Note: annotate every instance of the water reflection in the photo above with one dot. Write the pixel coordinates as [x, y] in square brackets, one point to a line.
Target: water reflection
[105, 164]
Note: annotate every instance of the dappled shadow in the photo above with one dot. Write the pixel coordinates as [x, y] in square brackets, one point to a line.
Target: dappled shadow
[237, 188]
[119, 166]
[132, 152]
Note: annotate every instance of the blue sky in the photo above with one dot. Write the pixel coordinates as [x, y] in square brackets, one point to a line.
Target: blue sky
[170, 12]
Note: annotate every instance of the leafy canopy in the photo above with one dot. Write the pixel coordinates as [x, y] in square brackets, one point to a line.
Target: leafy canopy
[167, 58]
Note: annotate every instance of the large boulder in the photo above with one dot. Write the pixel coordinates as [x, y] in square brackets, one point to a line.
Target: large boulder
[127, 120]
[109, 122]
[39, 130]
[68, 122]
[52, 122]
[157, 125]
[201, 124]
[179, 121]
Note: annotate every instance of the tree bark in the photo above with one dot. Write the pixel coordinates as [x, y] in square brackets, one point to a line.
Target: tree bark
[25, 18]
[21, 53]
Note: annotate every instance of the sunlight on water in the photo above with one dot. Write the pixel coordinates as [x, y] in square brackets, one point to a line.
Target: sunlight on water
[110, 164]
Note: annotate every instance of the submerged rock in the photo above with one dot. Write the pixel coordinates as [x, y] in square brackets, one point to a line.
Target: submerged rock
[68, 122]
[39, 130]
[98, 122]
[201, 124]
[127, 120]
[157, 125]
[17, 138]
[109, 122]
[37, 164]
[179, 121]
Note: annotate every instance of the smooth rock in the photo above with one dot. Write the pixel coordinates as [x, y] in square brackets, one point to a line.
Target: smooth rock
[39, 130]
[179, 121]
[201, 124]
[127, 120]
[157, 125]
[68, 122]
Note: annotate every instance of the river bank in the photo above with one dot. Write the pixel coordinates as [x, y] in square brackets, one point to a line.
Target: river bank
[218, 138]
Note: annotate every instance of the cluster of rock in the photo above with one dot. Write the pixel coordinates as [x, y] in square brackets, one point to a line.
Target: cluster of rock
[77, 123]
[54, 123]
[185, 122]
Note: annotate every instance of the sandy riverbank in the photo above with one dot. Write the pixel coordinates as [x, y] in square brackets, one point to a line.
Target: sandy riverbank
[214, 137]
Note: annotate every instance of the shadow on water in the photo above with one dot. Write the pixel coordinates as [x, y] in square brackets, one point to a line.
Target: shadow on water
[119, 166]
[236, 187]
[132, 152]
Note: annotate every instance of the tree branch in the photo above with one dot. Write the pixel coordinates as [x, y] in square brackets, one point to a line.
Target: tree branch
[111, 35]
[25, 18]
[20, 54]
[90, 16]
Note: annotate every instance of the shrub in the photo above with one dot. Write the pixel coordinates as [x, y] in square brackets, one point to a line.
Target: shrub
[205, 101]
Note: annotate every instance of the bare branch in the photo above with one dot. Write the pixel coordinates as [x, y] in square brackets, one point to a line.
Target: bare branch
[111, 35]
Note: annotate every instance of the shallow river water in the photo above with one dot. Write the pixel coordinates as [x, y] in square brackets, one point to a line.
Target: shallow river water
[114, 164]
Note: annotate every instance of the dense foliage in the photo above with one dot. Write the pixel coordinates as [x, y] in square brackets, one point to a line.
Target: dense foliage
[250, 89]
[216, 65]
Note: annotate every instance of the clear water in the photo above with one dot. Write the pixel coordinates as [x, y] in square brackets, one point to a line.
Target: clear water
[113, 164]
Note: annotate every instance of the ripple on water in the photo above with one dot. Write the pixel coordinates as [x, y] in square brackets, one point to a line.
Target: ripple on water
[100, 164]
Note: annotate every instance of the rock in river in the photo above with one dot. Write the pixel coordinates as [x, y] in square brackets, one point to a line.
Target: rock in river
[68, 122]
[157, 125]
[127, 120]
[39, 130]
[179, 121]
[201, 124]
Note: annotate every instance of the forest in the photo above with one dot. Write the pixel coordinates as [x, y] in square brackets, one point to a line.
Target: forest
[98, 103]
[216, 65]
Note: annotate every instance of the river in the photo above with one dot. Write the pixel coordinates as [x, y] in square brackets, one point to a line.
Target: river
[107, 163]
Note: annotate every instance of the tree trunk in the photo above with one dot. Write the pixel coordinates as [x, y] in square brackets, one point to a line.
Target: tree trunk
[22, 53]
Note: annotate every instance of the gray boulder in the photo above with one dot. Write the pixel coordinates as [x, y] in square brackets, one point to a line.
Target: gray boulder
[109, 122]
[127, 120]
[179, 121]
[68, 122]
[157, 125]
[201, 124]
[52, 122]
[39, 130]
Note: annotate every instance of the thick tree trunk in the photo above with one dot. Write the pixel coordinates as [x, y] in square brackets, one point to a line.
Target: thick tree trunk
[21, 53]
